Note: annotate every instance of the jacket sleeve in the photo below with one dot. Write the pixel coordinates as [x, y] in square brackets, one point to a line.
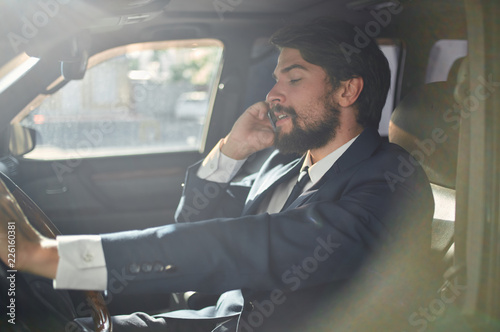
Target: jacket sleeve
[325, 239]
[202, 199]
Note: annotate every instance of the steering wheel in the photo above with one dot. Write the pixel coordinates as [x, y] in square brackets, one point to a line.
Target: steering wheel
[100, 313]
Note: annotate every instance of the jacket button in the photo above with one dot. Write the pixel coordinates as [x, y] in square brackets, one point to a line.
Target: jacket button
[147, 267]
[170, 268]
[134, 268]
[158, 267]
[249, 306]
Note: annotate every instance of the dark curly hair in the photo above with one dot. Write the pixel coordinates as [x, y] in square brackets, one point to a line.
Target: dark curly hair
[331, 44]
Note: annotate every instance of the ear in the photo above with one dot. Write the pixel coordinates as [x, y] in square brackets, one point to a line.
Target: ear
[349, 91]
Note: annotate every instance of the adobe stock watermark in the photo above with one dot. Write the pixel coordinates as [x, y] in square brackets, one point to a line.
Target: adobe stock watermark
[223, 6]
[453, 115]
[482, 92]
[381, 19]
[200, 199]
[436, 308]
[46, 10]
[292, 279]
[117, 284]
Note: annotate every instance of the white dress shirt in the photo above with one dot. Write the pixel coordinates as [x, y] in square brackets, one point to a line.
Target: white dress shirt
[81, 257]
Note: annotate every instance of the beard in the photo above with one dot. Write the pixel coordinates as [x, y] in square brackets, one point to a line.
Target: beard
[315, 134]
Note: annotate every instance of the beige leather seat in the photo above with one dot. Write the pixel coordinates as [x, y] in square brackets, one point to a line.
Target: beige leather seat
[426, 123]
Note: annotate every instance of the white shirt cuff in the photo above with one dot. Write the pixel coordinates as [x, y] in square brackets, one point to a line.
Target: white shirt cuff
[81, 263]
[218, 167]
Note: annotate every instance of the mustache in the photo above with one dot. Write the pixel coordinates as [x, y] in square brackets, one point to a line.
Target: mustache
[271, 114]
[282, 109]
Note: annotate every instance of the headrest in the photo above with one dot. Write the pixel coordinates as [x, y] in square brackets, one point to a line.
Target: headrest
[426, 124]
[455, 71]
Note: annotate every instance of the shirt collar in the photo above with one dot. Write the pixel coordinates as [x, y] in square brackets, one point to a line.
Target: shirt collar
[319, 169]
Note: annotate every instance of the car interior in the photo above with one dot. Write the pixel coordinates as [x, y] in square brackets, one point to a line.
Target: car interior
[104, 104]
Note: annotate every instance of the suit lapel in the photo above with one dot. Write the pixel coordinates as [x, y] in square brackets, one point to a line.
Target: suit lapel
[268, 182]
[270, 177]
[362, 148]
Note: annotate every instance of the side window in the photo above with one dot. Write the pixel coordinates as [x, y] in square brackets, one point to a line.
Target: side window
[136, 99]
[441, 58]
[391, 51]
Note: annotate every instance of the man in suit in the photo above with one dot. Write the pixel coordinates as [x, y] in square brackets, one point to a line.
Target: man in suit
[279, 254]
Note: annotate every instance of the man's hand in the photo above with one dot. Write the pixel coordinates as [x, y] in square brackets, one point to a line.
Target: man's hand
[252, 132]
[21, 246]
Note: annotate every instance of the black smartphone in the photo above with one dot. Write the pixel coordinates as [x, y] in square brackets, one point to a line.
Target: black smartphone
[272, 118]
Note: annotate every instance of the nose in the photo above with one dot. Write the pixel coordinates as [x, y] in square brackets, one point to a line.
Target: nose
[275, 95]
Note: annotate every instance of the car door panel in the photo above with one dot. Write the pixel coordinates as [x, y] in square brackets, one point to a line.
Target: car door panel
[108, 194]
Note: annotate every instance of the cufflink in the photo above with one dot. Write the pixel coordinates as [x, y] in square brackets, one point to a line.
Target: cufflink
[87, 257]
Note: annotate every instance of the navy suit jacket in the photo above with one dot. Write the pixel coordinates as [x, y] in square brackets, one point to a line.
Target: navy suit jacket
[373, 202]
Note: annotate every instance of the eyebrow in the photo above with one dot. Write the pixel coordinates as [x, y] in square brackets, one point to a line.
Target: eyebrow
[289, 68]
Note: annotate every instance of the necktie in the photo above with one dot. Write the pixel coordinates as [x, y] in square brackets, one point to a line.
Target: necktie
[302, 180]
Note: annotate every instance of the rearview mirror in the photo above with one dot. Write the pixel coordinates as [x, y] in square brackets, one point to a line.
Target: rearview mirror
[75, 69]
[22, 139]
[75, 57]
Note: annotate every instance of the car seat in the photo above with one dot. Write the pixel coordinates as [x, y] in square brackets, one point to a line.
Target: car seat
[426, 123]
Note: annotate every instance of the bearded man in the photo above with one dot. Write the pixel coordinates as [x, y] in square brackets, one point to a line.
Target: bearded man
[280, 244]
